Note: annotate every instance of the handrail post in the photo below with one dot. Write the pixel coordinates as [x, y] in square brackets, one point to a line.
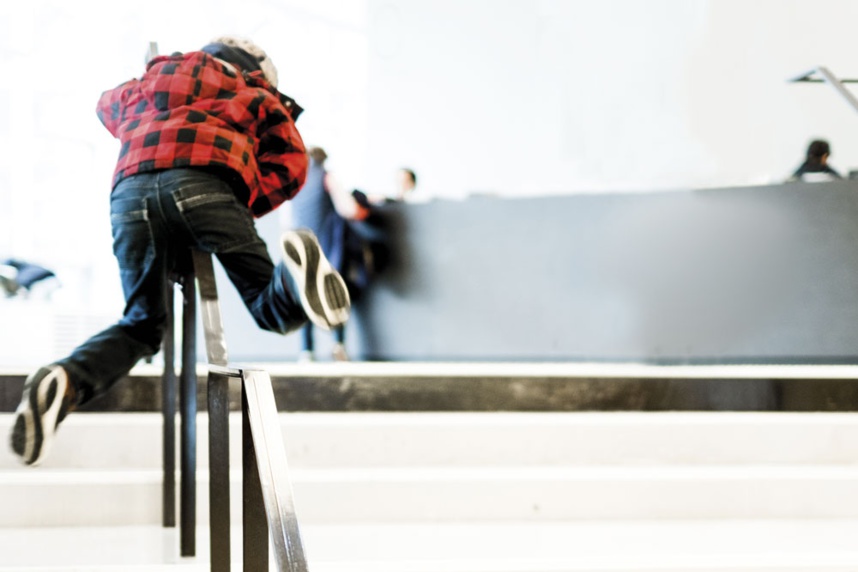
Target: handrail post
[219, 494]
[254, 523]
[218, 411]
[188, 405]
[168, 406]
[212, 321]
[188, 413]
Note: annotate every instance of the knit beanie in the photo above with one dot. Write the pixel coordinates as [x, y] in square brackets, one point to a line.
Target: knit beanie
[244, 54]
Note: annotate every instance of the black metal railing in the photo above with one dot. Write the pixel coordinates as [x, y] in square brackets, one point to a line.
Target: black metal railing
[268, 510]
[187, 399]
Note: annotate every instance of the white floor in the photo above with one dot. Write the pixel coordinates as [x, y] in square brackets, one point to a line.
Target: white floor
[689, 546]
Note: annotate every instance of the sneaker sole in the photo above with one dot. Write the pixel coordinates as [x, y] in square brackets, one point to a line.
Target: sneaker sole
[37, 416]
[322, 290]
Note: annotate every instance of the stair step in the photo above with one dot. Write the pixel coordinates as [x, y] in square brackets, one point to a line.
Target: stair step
[105, 469]
[43, 497]
[134, 441]
[614, 546]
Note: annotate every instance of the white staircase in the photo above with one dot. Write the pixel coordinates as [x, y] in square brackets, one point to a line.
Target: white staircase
[472, 492]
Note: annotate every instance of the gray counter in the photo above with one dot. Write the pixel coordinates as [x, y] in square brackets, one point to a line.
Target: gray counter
[758, 274]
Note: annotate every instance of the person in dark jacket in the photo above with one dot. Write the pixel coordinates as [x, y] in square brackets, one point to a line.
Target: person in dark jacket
[326, 208]
[207, 142]
[815, 168]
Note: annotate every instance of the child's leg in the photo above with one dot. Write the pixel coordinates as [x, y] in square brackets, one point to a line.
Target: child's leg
[281, 298]
[140, 247]
[204, 210]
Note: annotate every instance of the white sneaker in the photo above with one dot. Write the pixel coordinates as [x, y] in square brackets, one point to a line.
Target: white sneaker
[45, 402]
[321, 289]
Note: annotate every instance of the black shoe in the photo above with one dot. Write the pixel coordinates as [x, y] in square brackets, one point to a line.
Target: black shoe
[45, 403]
[321, 289]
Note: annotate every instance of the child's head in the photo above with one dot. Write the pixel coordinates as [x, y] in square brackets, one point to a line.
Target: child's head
[244, 54]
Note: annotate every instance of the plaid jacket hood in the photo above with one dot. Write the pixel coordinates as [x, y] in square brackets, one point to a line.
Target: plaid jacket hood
[193, 110]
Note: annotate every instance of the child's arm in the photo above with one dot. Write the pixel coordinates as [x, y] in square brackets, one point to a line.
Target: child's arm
[281, 158]
[109, 108]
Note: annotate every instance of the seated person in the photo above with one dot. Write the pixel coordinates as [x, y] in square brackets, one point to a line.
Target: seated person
[815, 168]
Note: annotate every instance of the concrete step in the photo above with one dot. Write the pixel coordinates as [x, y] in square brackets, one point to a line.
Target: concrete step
[615, 546]
[67, 497]
[367, 440]
[105, 469]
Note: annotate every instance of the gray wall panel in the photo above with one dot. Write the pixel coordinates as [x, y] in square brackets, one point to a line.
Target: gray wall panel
[744, 274]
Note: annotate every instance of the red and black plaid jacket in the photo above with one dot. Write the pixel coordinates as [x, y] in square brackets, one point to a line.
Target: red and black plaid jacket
[193, 110]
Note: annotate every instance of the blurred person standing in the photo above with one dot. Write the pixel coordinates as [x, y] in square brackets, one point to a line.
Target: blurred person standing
[407, 185]
[324, 207]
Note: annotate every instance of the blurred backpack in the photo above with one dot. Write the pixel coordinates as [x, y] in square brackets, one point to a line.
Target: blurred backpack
[18, 276]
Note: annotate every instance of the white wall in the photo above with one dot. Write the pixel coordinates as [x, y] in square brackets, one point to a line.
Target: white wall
[517, 97]
[523, 97]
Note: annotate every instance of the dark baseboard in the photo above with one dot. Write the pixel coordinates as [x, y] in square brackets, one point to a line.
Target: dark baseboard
[378, 393]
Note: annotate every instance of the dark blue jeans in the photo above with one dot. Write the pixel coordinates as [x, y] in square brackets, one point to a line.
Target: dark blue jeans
[156, 218]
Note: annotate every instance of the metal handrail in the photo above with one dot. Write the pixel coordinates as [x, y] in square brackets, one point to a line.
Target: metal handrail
[188, 414]
[268, 505]
[262, 424]
[822, 74]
